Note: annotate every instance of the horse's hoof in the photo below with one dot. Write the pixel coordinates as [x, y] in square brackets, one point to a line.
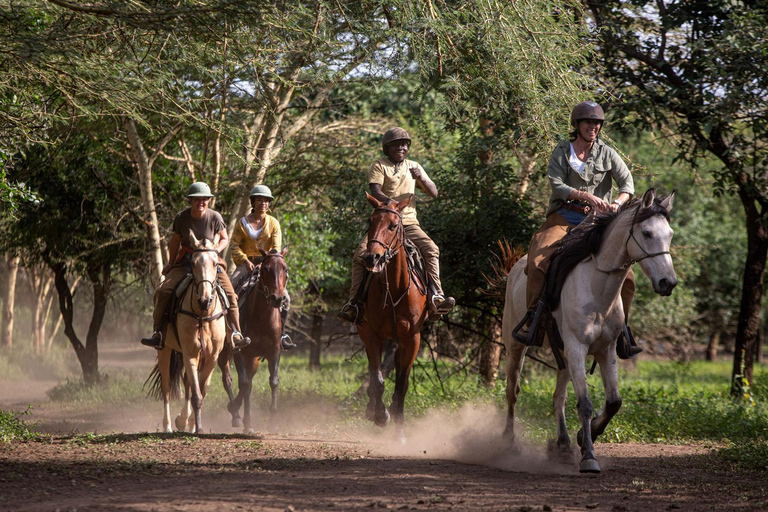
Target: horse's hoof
[589, 466]
[237, 422]
[382, 420]
[232, 408]
[181, 424]
[250, 431]
[400, 439]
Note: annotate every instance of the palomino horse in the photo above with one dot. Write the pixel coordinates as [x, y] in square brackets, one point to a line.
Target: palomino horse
[263, 324]
[193, 341]
[395, 308]
[590, 316]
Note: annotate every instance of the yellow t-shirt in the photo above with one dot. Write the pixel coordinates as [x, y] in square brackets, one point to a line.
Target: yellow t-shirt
[397, 183]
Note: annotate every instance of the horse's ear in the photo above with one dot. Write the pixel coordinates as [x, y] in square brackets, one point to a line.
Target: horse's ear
[402, 204]
[374, 202]
[263, 252]
[668, 201]
[284, 251]
[193, 241]
[648, 197]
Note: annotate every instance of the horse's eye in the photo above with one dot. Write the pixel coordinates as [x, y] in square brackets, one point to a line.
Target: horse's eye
[370, 219]
[392, 226]
[647, 234]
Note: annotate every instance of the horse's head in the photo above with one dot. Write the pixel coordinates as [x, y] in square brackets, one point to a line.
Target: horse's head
[649, 240]
[273, 276]
[385, 232]
[205, 262]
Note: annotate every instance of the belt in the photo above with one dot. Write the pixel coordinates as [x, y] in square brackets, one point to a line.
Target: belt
[577, 207]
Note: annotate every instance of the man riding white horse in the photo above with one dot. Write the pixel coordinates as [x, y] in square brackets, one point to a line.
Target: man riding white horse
[580, 171]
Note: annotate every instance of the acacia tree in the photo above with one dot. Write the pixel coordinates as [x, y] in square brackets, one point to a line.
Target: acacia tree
[701, 69]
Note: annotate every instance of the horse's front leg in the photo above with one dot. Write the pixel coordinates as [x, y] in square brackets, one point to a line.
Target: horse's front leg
[404, 358]
[245, 385]
[609, 370]
[226, 381]
[575, 355]
[274, 381]
[375, 411]
[196, 398]
[515, 359]
[182, 420]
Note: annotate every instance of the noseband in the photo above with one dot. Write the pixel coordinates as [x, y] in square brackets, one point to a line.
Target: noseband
[265, 291]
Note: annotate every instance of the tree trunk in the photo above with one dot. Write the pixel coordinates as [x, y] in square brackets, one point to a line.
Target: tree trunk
[9, 299]
[315, 348]
[714, 341]
[490, 356]
[751, 297]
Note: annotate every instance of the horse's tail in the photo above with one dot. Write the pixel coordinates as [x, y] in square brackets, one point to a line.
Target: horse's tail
[502, 263]
[155, 379]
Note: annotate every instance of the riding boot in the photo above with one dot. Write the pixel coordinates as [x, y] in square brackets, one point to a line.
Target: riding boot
[439, 304]
[626, 346]
[239, 341]
[155, 341]
[527, 331]
[285, 341]
[353, 310]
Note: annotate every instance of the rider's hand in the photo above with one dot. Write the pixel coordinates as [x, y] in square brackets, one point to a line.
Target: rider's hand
[415, 172]
[595, 202]
[249, 266]
[613, 207]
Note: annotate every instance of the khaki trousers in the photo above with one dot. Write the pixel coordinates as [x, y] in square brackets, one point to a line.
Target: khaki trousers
[420, 239]
[174, 276]
[543, 245]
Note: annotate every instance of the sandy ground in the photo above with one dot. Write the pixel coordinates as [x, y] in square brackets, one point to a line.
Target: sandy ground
[303, 460]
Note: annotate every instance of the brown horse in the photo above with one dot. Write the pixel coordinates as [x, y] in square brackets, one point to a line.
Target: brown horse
[263, 324]
[395, 308]
[193, 340]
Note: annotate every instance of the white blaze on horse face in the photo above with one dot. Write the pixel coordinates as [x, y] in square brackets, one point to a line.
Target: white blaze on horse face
[651, 237]
[204, 267]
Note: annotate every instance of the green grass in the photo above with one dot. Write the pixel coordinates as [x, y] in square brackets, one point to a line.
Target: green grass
[14, 428]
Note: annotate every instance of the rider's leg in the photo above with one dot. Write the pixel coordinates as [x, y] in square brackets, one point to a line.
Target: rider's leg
[162, 297]
[431, 253]
[626, 346]
[544, 243]
[285, 341]
[352, 311]
[233, 313]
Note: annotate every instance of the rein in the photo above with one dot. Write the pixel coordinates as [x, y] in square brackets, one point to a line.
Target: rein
[201, 319]
[628, 264]
[391, 250]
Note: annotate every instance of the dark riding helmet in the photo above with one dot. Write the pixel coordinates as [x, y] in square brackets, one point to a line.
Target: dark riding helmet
[392, 135]
[587, 110]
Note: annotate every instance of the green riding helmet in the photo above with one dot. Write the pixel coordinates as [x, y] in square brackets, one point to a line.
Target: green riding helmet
[392, 135]
[199, 189]
[261, 191]
[587, 110]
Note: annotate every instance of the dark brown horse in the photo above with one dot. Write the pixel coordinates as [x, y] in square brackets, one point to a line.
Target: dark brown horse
[263, 324]
[395, 308]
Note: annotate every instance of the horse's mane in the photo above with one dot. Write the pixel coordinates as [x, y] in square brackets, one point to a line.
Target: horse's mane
[585, 240]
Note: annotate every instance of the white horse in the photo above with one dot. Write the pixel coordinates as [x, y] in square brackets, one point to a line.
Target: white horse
[589, 315]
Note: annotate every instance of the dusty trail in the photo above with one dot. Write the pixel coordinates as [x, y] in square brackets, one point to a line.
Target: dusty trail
[451, 462]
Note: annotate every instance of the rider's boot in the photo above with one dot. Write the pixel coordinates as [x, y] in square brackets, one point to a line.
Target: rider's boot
[626, 346]
[285, 341]
[238, 340]
[353, 310]
[439, 304]
[154, 341]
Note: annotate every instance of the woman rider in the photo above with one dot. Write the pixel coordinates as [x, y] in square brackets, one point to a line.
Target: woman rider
[580, 171]
[258, 230]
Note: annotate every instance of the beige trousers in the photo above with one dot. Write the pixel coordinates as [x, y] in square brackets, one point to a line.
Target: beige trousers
[543, 245]
[420, 239]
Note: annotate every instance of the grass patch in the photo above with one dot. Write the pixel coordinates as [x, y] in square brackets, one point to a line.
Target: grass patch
[747, 457]
[14, 428]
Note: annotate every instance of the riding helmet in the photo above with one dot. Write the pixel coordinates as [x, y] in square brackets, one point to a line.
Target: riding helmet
[199, 189]
[261, 191]
[587, 110]
[392, 135]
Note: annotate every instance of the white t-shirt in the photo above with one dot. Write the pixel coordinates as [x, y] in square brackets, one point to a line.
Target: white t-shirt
[576, 164]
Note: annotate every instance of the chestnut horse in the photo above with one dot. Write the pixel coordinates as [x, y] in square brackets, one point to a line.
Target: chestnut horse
[193, 340]
[589, 314]
[263, 324]
[395, 308]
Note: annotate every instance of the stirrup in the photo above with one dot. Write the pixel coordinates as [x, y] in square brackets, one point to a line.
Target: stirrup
[626, 346]
[155, 341]
[347, 315]
[242, 342]
[527, 331]
[442, 305]
[286, 343]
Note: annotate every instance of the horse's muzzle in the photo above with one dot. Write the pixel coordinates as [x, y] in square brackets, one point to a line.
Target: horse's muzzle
[373, 262]
[275, 301]
[205, 303]
[665, 287]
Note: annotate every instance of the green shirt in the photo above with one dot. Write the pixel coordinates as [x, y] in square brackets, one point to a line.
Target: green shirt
[602, 163]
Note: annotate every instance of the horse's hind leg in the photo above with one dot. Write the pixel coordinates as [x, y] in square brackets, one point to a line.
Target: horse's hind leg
[404, 358]
[610, 375]
[563, 442]
[515, 359]
[164, 365]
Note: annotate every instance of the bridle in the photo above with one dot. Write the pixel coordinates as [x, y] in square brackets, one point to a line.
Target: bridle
[195, 289]
[265, 290]
[391, 249]
[631, 236]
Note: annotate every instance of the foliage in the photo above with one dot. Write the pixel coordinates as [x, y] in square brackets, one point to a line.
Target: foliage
[14, 428]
